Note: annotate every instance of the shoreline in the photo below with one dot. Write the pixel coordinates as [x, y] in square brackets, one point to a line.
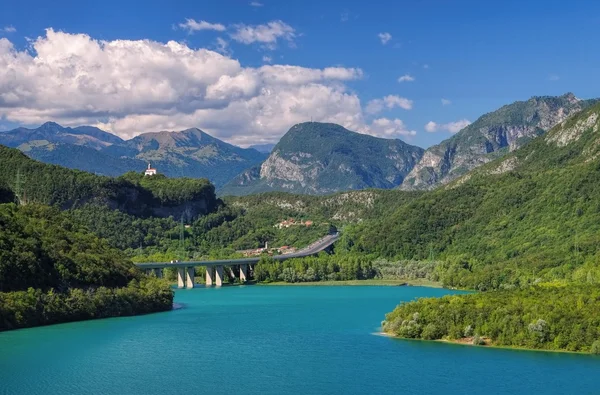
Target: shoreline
[371, 282]
[461, 342]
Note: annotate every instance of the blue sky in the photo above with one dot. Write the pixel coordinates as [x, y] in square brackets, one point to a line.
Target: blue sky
[476, 55]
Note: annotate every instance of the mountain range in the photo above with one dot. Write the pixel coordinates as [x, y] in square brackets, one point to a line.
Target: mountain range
[311, 158]
[188, 153]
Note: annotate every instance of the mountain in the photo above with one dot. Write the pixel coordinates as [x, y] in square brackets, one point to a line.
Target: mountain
[492, 135]
[264, 148]
[527, 218]
[526, 226]
[190, 153]
[52, 132]
[320, 158]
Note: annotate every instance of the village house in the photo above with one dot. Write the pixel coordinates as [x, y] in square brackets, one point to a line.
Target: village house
[292, 222]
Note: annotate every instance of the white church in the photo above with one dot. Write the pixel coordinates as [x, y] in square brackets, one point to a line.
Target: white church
[150, 171]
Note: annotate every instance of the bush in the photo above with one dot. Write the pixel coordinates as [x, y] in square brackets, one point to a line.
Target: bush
[595, 349]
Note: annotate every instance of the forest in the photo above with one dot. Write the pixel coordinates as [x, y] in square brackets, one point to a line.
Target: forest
[550, 317]
[52, 271]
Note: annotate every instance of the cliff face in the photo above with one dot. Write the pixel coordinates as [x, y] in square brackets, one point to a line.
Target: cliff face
[490, 137]
[320, 158]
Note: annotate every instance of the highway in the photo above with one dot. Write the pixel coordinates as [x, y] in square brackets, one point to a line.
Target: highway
[312, 249]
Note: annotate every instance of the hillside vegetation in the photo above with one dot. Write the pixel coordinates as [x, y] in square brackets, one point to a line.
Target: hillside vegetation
[535, 220]
[53, 271]
[525, 228]
[35, 182]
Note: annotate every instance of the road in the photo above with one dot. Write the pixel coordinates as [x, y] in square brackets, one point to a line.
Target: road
[312, 249]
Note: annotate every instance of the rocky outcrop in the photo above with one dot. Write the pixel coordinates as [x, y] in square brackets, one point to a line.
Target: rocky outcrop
[490, 137]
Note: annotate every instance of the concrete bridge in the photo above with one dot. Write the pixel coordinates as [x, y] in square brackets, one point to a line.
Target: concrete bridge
[237, 267]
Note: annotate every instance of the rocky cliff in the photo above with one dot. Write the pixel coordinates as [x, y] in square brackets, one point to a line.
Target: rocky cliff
[491, 136]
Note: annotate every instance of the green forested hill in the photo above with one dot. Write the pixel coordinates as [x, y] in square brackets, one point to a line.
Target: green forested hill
[525, 229]
[532, 216]
[52, 270]
[36, 182]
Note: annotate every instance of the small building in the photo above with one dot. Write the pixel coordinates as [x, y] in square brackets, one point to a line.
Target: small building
[150, 171]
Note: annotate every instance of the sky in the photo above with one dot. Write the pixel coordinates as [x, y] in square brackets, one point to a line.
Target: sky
[246, 71]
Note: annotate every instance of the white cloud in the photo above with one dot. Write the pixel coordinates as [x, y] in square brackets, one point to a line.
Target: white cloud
[256, 4]
[345, 16]
[192, 25]
[425, 66]
[130, 87]
[388, 128]
[446, 102]
[431, 127]
[222, 46]
[452, 127]
[553, 77]
[267, 59]
[406, 78]
[391, 101]
[384, 37]
[267, 34]
[8, 29]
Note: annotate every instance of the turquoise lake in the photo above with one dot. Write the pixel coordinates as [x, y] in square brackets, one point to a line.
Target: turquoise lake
[274, 340]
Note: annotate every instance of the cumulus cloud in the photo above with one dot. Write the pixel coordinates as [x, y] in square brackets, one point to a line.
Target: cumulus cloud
[406, 78]
[267, 34]
[391, 101]
[452, 127]
[446, 102]
[130, 87]
[388, 128]
[192, 25]
[267, 59]
[8, 29]
[384, 37]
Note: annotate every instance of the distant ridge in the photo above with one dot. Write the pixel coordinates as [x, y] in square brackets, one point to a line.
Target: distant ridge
[189, 153]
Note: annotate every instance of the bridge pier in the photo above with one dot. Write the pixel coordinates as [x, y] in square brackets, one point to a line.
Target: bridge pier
[189, 278]
[158, 273]
[209, 276]
[180, 277]
[243, 273]
[218, 276]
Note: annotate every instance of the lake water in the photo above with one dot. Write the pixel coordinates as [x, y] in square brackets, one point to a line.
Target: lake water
[274, 340]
